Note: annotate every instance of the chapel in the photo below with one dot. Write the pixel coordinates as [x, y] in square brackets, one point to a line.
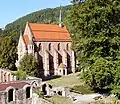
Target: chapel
[51, 45]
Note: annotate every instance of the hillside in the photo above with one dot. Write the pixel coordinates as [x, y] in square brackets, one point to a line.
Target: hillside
[49, 15]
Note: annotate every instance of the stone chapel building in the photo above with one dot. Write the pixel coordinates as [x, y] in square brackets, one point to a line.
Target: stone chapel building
[50, 44]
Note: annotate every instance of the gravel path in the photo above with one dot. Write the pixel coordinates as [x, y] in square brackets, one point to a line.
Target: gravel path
[83, 99]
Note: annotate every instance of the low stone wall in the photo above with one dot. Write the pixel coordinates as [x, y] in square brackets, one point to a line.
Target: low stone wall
[3, 98]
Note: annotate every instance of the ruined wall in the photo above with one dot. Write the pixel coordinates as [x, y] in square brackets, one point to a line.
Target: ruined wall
[29, 101]
[20, 98]
[3, 97]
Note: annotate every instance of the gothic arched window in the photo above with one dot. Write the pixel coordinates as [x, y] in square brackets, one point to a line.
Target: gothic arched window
[40, 47]
[67, 46]
[49, 46]
[58, 46]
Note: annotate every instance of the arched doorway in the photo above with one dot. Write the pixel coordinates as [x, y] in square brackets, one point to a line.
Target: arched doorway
[28, 92]
[44, 89]
[10, 95]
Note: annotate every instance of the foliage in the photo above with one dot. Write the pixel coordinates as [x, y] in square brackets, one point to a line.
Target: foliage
[8, 53]
[49, 15]
[20, 75]
[95, 30]
[108, 101]
[100, 75]
[39, 93]
[28, 64]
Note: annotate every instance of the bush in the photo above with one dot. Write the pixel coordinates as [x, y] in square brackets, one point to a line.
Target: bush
[39, 93]
[20, 75]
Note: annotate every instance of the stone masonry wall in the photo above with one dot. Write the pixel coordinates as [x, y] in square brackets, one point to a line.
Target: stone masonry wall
[3, 97]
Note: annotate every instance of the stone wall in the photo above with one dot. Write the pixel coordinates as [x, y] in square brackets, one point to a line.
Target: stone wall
[20, 98]
[29, 101]
[34, 81]
[5, 75]
[3, 97]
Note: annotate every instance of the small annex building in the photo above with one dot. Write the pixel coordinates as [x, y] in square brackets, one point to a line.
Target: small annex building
[15, 93]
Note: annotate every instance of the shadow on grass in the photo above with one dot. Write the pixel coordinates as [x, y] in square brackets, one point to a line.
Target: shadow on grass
[50, 77]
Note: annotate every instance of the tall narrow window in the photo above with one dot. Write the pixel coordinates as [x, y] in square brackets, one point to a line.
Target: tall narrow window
[67, 46]
[58, 46]
[28, 92]
[49, 46]
[40, 47]
[10, 95]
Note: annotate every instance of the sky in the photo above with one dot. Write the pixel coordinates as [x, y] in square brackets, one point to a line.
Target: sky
[10, 10]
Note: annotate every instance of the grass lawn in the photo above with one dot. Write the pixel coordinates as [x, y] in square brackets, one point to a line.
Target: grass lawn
[72, 81]
[67, 81]
[84, 89]
[59, 100]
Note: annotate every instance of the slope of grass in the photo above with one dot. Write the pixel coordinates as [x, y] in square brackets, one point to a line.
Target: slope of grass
[59, 100]
[84, 89]
[67, 81]
[72, 81]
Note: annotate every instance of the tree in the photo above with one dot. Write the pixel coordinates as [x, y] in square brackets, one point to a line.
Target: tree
[28, 64]
[8, 54]
[94, 27]
[1, 31]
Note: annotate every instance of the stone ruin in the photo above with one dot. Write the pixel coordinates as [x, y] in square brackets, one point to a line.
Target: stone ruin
[49, 90]
[18, 92]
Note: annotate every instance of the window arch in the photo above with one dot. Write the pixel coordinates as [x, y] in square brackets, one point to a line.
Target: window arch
[58, 46]
[67, 46]
[49, 46]
[40, 47]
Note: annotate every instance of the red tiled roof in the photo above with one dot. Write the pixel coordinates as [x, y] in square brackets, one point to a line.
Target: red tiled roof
[49, 32]
[18, 85]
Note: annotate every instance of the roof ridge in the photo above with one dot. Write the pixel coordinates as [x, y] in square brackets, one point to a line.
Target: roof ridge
[51, 31]
[42, 24]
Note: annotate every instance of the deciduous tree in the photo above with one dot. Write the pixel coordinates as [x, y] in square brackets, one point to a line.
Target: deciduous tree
[28, 64]
[95, 30]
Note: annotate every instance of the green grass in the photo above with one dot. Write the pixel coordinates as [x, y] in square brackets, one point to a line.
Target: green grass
[84, 89]
[67, 81]
[108, 101]
[59, 100]
[72, 81]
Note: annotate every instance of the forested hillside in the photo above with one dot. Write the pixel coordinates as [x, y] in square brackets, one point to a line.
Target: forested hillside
[42, 16]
